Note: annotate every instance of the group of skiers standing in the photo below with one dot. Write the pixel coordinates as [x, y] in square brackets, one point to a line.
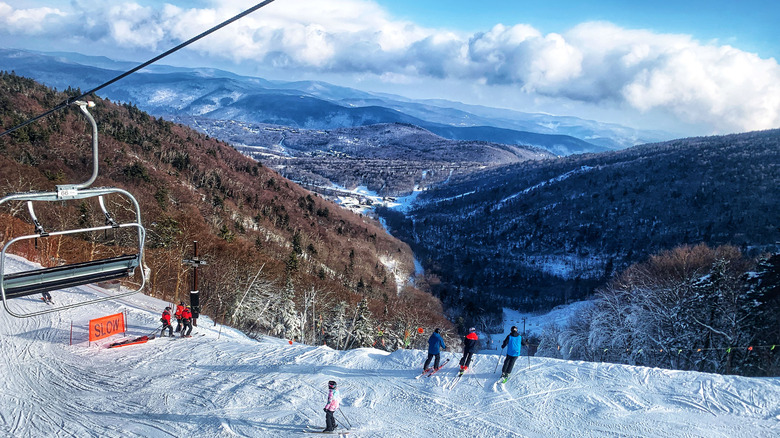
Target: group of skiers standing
[513, 344]
[183, 320]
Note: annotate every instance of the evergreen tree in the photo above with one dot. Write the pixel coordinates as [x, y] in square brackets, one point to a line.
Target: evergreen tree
[336, 328]
[765, 291]
[286, 322]
[363, 330]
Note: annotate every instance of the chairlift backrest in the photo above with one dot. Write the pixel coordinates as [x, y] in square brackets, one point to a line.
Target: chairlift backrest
[20, 284]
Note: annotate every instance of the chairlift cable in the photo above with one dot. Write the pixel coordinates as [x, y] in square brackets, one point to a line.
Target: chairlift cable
[145, 64]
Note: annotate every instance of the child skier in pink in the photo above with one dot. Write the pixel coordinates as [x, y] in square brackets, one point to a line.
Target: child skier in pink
[330, 408]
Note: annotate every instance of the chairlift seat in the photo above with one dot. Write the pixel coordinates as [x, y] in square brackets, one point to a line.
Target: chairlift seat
[20, 284]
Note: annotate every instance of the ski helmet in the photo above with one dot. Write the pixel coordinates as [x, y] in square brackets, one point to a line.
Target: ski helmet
[472, 329]
[514, 328]
[167, 308]
[332, 384]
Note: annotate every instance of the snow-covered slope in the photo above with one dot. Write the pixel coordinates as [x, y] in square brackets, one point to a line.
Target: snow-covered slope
[223, 384]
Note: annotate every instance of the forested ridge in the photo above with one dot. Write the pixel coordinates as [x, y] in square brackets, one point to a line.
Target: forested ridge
[281, 260]
[536, 234]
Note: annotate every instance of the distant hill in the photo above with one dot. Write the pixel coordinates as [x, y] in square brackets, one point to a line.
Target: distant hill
[169, 91]
[390, 159]
[540, 232]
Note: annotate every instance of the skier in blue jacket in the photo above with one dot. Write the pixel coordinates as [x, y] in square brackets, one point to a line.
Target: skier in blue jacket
[435, 342]
[513, 344]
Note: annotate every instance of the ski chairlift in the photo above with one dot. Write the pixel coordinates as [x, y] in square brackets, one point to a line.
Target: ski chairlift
[20, 284]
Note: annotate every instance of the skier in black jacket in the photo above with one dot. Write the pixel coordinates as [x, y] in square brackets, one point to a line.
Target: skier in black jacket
[470, 343]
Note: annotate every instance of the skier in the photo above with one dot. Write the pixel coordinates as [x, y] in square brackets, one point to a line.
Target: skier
[186, 320]
[513, 345]
[179, 309]
[330, 408]
[469, 348]
[435, 342]
[166, 322]
[46, 296]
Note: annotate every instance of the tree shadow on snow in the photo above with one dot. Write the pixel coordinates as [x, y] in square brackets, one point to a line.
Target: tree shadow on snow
[47, 334]
[200, 423]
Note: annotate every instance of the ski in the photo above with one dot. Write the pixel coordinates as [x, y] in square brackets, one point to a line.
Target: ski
[437, 369]
[311, 429]
[196, 335]
[431, 371]
[456, 379]
[424, 373]
[454, 382]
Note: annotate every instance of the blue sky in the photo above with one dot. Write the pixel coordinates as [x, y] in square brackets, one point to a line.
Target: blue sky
[751, 25]
[687, 67]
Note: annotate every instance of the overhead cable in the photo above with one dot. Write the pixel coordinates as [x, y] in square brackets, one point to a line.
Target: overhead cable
[151, 61]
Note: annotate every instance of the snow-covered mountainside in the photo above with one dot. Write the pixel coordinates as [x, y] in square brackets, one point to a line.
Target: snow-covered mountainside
[220, 383]
[219, 95]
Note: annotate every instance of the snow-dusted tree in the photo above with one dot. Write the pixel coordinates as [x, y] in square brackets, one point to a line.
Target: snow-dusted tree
[573, 339]
[683, 309]
[726, 307]
[251, 306]
[548, 342]
[314, 301]
[286, 322]
[363, 330]
[764, 293]
[609, 334]
[336, 326]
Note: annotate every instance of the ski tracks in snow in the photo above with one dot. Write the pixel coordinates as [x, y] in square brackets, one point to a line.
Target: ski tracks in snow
[233, 386]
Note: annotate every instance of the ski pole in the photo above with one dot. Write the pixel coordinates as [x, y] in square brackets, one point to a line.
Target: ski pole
[155, 330]
[345, 418]
[499, 359]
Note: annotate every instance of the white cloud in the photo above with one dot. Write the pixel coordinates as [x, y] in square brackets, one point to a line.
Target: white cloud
[596, 63]
[29, 21]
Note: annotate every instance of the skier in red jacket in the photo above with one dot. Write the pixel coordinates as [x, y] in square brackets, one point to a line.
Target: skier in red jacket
[166, 321]
[179, 309]
[469, 348]
[186, 320]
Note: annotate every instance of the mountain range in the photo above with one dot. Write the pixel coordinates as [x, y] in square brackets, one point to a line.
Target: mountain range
[218, 95]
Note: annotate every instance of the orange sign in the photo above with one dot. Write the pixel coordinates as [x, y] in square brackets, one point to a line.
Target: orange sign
[106, 326]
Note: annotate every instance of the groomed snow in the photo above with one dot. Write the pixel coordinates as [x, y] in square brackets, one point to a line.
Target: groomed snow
[223, 384]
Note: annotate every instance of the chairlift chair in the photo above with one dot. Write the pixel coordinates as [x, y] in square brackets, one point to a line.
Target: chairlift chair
[20, 284]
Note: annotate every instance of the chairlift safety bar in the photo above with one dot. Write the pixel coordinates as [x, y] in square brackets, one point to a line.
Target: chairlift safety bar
[78, 194]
